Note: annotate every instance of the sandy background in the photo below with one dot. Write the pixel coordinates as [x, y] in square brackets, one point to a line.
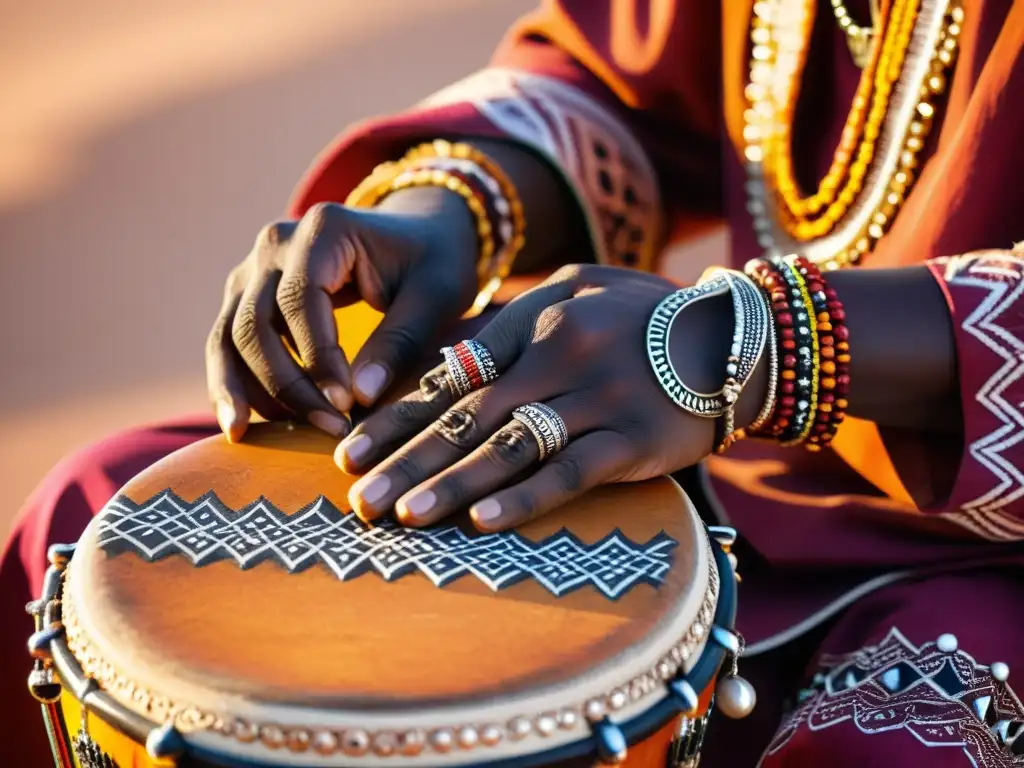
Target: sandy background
[142, 145]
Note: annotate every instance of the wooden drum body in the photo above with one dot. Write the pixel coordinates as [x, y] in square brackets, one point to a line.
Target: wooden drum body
[226, 608]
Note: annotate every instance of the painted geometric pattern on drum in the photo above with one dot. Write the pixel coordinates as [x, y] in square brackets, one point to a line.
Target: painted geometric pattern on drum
[206, 531]
[937, 693]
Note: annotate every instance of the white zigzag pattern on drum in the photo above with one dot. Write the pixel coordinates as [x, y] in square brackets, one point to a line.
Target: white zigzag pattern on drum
[1003, 278]
[207, 531]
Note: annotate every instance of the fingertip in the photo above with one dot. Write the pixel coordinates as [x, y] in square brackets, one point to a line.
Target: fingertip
[487, 516]
[351, 452]
[336, 426]
[339, 456]
[338, 396]
[233, 421]
[369, 382]
[365, 492]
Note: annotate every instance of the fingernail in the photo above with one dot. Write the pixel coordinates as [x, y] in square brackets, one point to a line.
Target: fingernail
[486, 510]
[339, 397]
[356, 447]
[371, 489]
[419, 504]
[227, 417]
[370, 380]
[328, 422]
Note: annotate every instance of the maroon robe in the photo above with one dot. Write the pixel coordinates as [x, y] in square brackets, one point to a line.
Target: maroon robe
[864, 556]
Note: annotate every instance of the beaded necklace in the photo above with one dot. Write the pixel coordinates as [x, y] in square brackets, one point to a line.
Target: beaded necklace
[873, 168]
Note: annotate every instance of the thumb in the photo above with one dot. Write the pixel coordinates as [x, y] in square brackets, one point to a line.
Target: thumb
[419, 311]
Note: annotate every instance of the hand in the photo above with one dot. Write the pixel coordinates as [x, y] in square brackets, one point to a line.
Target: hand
[413, 258]
[577, 344]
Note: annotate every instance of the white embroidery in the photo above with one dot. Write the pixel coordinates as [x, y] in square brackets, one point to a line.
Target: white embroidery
[943, 698]
[207, 531]
[996, 323]
[598, 156]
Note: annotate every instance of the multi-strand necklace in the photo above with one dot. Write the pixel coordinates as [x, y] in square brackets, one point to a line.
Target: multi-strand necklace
[906, 57]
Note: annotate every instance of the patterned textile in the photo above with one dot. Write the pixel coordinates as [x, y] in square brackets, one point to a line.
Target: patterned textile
[206, 530]
[937, 693]
[985, 292]
[597, 155]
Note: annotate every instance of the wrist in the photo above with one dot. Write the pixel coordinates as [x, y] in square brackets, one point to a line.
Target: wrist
[442, 219]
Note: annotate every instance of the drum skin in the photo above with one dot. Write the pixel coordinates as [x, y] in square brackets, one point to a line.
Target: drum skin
[252, 660]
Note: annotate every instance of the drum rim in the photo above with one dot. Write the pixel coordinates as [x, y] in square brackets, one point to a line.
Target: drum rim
[634, 730]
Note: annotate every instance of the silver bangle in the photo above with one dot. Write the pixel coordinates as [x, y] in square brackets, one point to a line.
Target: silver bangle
[659, 333]
[752, 319]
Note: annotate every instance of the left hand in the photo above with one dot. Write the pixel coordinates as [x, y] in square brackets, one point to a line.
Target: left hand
[576, 343]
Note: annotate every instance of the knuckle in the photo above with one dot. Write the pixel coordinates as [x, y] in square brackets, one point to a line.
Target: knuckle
[567, 274]
[435, 385]
[568, 471]
[291, 294]
[527, 503]
[407, 466]
[549, 322]
[405, 414]
[244, 327]
[579, 273]
[510, 447]
[272, 235]
[459, 428]
[236, 279]
[453, 488]
[319, 216]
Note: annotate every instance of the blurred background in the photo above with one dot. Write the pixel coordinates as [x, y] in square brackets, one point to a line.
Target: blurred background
[142, 145]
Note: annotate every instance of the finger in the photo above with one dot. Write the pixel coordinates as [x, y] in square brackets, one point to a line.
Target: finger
[232, 388]
[318, 264]
[388, 427]
[224, 376]
[452, 437]
[264, 352]
[504, 457]
[595, 458]
[411, 321]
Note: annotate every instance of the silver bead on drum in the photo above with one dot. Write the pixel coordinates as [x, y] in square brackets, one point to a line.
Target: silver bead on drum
[735, 697]
[545, 425]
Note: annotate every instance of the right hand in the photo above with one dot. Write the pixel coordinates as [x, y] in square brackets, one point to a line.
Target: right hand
[413, 258]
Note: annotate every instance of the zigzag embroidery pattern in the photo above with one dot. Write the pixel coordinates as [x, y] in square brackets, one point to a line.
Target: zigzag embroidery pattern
[207, 530]
[997, 329]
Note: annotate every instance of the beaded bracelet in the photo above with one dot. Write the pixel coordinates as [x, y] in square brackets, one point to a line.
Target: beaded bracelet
[834, 353]
[808, 359]
[769, 278]
[814, 354]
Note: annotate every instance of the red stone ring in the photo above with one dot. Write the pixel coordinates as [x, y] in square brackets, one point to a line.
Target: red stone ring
[470, 366]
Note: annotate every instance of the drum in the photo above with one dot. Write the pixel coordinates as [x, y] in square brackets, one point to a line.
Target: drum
[226, 608]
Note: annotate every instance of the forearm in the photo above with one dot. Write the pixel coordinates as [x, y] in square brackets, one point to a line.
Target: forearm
[555, 230]
[903, 369]
[903, 357]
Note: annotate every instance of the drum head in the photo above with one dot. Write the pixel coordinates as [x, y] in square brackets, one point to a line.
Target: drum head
[229, 589]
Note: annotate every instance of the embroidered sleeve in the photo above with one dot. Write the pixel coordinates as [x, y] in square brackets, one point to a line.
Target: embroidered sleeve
[629, 121]
[985, 292]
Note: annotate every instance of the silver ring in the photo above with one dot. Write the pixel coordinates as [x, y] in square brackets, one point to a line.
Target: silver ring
[545, 425]
[480, 371]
